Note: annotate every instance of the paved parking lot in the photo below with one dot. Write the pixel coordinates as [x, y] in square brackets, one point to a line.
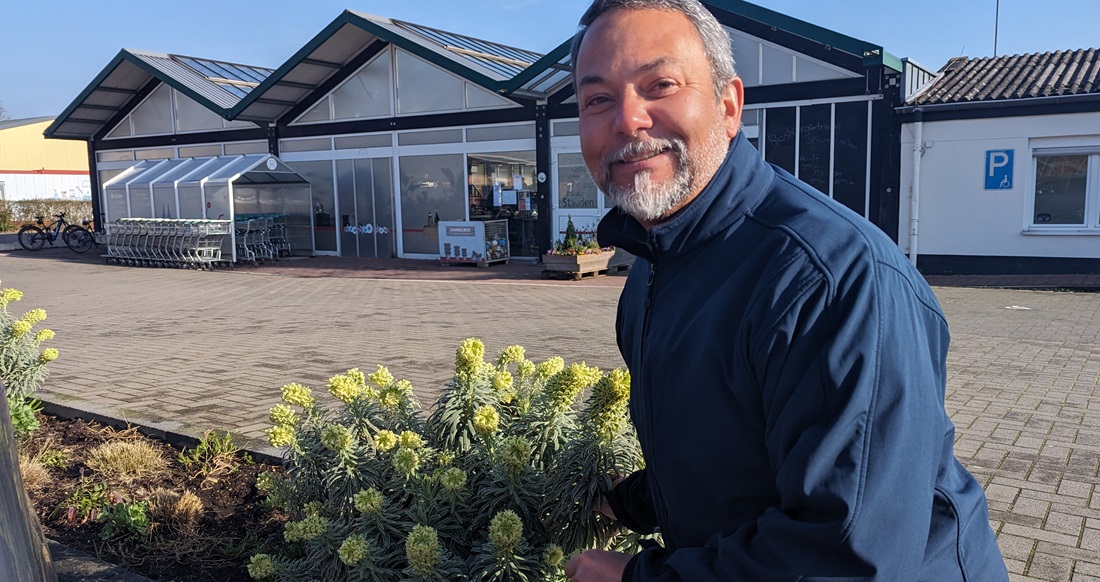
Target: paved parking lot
[186, 351]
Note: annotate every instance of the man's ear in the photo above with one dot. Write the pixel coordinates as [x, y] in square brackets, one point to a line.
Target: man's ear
[733, 100]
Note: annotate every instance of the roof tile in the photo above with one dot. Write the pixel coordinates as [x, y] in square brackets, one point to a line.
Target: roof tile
[1007, 77]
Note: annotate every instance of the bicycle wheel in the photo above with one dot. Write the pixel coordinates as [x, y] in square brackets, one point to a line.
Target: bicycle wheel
[31, 237]
[79, 239]
[65, 234]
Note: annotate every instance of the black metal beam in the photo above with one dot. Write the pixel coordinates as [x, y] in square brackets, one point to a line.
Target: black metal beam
[320, 63]
[222, 136]
[413, 122]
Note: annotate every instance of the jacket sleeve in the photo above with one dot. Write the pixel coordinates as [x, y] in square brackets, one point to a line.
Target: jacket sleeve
[632, 504]
[850, 377]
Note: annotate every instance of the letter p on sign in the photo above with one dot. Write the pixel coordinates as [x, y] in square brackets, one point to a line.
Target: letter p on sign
[998, 169]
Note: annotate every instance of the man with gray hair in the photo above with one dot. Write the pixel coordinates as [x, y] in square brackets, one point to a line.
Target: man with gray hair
[788, 364]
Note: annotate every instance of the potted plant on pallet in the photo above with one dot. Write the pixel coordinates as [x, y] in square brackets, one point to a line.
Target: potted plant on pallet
[577, 253]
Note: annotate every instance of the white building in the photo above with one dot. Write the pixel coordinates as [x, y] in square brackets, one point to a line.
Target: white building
[1001, 166]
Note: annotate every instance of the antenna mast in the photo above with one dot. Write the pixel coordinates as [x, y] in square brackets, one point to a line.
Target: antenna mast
[996, 27]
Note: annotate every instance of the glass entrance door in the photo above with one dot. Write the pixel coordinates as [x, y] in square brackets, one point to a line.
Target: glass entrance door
[366, 208]
[577, 197]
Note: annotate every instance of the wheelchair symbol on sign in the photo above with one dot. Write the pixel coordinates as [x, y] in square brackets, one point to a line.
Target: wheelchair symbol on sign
[1005, 182]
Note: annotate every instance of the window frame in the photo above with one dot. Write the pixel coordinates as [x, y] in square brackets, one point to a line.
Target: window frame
[1091, 224]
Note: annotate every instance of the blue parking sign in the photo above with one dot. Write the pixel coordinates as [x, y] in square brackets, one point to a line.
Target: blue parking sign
[998, 169]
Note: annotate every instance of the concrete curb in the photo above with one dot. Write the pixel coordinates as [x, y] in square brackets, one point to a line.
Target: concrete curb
[72, 565]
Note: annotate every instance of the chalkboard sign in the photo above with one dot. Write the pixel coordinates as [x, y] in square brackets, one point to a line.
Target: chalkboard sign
[850, 156]
[779, 137]
[575, 187]
[814, 141]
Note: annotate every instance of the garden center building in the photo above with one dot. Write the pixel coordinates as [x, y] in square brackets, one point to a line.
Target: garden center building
[399, 126]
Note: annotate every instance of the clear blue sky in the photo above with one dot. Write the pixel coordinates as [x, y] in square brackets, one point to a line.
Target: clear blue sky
[51, 49]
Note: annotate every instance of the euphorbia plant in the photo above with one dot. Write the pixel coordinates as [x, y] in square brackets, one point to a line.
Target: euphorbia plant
[497, 483]
[23, 360]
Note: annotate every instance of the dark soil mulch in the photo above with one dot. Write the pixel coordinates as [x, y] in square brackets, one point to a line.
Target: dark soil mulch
[235, 522]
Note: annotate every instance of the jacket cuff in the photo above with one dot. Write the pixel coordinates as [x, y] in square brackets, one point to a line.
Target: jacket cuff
[628, 572]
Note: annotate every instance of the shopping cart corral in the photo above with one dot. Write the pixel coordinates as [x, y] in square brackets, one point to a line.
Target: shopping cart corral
[179, 243]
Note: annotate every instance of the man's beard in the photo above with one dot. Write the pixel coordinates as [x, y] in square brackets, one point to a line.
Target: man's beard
[647, 200]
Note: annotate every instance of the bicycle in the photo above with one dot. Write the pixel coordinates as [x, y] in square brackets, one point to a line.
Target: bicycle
[34, 236]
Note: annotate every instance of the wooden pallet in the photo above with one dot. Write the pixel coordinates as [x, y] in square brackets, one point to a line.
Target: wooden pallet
[578, 275]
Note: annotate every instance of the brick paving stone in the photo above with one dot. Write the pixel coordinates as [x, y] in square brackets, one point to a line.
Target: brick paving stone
[189, 351]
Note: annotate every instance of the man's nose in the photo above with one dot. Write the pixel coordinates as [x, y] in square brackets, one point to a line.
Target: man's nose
[632, 115]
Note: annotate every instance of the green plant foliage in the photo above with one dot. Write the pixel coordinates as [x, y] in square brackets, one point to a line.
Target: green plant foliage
[23, 360]
[214, 457]
[125, 520]
[498, 483]
[85, 503]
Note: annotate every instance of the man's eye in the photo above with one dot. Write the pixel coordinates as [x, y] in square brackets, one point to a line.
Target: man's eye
[597, 100]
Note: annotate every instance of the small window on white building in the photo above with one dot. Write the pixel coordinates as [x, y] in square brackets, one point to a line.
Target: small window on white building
[1067, 191]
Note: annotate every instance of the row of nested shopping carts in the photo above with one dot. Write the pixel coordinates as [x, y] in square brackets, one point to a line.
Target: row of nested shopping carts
[195, 244]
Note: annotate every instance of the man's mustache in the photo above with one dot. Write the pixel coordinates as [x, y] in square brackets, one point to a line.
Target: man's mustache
[641, 149]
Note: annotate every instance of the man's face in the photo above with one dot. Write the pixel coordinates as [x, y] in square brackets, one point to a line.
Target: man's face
[652, 130]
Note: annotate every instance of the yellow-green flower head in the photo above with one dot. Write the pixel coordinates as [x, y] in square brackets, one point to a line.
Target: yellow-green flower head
[43, 335]
[309, 528]
[385, 440]
[261, 566]
[553, 556]
[357, 376]
[353, 550]
[391, 396]
[486, 420]
[20, 328]
[381, 377]
[406, 461]
[344, 388]
[502, 380]
[34, 316]
[469, 356]
[267, 481]
[369, 501]
[445, 458]
[422, 550]
[452, 479]
[411, 440]
[511, 355]
[515, 453]
[607, 408]
[281, 414]
[48, 355]
[313, 508]
[336, 437]
[10, 296]
[562, 389]
[298, 395]
[282, 435]
[550, 367]
[525, 369]
[505, 531]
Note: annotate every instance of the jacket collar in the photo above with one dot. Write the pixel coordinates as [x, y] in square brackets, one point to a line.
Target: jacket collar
[734, 190]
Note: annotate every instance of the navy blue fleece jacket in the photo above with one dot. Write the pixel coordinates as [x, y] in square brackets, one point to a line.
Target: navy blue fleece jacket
[788, 377]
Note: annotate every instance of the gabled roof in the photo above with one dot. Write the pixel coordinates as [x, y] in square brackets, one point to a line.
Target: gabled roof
[217, 85]
[1006, 78]
[347, 42]
[829, 39]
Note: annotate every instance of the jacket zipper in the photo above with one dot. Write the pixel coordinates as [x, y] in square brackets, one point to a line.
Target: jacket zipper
[651, 291]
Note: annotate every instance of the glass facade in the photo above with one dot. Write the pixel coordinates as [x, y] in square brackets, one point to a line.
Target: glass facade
[432, 189]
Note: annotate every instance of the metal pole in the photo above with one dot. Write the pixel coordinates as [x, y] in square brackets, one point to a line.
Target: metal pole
[996, 27]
